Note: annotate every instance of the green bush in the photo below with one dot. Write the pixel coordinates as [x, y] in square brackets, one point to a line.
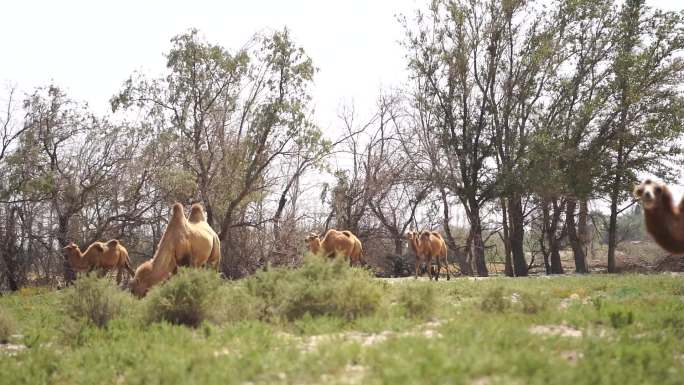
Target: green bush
[94, 300]
[7, 326]
[188, 298]
[620, 318]
[238, 304]
[318, 287]
[532, 304]
[418, 299]
[494, 301]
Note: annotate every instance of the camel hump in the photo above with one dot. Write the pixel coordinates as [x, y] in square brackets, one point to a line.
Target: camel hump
[347, 233]
[197, 213]
[113, 243]
[177, 213]
[425, 235]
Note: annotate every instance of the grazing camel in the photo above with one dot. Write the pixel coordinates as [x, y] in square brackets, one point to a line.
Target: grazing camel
[664, 219]
[337, 243]
[426, 246]
[100, 255]
[184, 243]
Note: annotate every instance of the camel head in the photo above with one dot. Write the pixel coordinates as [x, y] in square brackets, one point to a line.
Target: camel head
[411, 236]
[649, 193]
[138, 284]
[77, 260]
[71, 250]
[314, 242]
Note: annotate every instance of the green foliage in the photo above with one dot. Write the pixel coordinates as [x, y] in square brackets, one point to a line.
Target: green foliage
[532, 304]
[318, 287]
[94, 301]
[620, 318]
[419, 300]
[7, 325]
[494, 301]
[238, 304]
[381, 347]
[188, 298]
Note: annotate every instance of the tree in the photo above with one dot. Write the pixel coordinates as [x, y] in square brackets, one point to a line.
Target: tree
[231, 117]
[647, 104]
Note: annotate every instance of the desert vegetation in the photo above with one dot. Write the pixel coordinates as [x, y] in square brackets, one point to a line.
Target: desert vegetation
[326, 322]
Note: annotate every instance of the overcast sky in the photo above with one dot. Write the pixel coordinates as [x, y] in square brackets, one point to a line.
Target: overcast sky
[90, 47]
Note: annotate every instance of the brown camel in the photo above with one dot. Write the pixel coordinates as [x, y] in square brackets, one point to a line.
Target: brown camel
[184, 243]
[426, 246]
[664, 219]
[336, 243]
[100, 255]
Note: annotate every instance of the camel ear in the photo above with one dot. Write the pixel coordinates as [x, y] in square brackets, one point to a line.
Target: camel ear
[638, 191]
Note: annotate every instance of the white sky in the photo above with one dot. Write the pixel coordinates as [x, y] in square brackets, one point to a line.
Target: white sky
[90, 47]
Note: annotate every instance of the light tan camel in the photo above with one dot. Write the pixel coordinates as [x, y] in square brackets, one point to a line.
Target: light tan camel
[100, 255]
[184, 243]
[426, 246]
[336, 243]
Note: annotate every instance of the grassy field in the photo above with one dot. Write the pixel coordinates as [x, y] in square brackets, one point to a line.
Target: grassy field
[327, 323]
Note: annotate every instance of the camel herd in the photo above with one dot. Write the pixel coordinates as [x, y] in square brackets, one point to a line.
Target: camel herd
[192, 242]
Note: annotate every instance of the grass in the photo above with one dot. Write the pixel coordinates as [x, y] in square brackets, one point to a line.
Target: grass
[458, 332]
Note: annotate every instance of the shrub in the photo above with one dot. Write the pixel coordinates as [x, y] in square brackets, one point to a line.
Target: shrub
[94, 300]
[531, 304]
[494, 301]
[7, 326]
[188, 298]
[238, 304]
[419, 299]
[620, 318]
[318, 287]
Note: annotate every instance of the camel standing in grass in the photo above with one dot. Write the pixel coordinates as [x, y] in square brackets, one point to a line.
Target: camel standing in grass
[426, 246]
[336, 243]
[99, 255]
[184, 243]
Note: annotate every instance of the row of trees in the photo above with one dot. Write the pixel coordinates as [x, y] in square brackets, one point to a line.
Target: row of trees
[514, 117]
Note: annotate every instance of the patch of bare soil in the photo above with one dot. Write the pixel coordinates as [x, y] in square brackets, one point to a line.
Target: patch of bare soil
[11, 349]
[311, 344]
[562, 330]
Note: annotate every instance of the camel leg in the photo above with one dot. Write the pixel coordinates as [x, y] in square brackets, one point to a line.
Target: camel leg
[119, 273]
[101, 273]
[439, 269]
[417, 266]
[446, 266]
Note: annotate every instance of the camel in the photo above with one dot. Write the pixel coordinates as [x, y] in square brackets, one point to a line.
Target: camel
[664, 219]
[337, 243]
[426, 246]
[184, 243]
[99, 255]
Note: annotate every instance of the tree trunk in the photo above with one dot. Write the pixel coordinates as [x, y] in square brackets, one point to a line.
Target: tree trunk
[614, 201]
[63, 239]
[578, 252]
[583, 226]
[508, 263]
[553, 240]
[398, 245]
[461, 258]
[478, 247]
[517, 235]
